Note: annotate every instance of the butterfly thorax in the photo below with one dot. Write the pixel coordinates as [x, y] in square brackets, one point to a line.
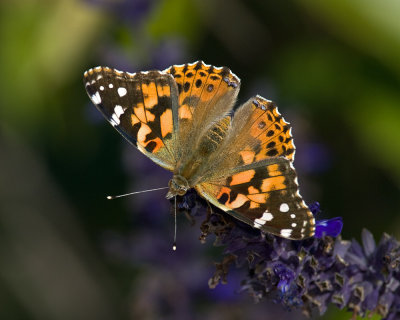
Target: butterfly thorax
[178, 186]
[201, 152]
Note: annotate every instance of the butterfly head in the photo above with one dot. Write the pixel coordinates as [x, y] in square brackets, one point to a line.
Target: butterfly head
[178, 186]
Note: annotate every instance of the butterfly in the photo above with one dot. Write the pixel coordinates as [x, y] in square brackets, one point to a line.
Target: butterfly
[183, 118]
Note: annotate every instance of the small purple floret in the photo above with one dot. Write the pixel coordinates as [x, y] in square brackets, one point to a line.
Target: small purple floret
[315, 208]
[285, 276]
[330, 227]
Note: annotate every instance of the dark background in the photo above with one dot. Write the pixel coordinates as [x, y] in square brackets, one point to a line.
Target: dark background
[66, 252]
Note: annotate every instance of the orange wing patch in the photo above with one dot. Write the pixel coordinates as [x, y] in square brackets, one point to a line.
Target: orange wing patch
[201, 84]
[166, 123]
[247, 156]
[272, 184]
[185, 112]
[242, 177]
[150, 95]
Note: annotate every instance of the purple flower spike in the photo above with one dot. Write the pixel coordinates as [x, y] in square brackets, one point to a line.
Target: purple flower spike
[312, 273]
[331, 227]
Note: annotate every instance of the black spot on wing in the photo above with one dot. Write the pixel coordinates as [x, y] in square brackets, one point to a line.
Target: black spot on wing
[289, 151]
[232, 196]
[186, 86]
[151, 146]
[271, 144]
[172, 70]
[223, 198]
[198, 65]
[179, 88]
[272, 152]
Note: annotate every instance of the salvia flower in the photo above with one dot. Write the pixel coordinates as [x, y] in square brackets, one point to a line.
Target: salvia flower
[312, 273]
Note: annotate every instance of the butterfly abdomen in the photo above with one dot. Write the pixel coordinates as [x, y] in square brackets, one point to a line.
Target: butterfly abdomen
[214, 137]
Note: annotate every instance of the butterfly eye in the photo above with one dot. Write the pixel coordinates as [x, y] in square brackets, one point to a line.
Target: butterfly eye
[182, 191]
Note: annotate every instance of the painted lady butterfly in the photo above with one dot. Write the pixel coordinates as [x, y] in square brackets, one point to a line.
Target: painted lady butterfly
[182, 118]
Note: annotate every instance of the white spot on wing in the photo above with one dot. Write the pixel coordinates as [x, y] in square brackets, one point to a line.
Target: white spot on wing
[122, 91]
[118, 110]
[267, 216]
[286, 233]
[111, 86]
[294, 225]
[115, 120]
[101, 88]
[284, 207]
[293, 216]
[96, 98]
[258, 223]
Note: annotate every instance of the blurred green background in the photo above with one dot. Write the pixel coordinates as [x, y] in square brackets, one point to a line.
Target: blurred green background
[66, 252]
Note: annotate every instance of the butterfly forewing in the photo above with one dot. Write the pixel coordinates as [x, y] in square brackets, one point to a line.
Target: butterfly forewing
[206, 94]
[141, 106]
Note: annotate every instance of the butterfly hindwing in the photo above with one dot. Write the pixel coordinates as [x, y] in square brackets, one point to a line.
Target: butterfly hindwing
[142, 106]
[264, 195]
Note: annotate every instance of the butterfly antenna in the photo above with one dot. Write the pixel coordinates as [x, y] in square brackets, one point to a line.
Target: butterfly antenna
[129, 194]
[174, 245]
